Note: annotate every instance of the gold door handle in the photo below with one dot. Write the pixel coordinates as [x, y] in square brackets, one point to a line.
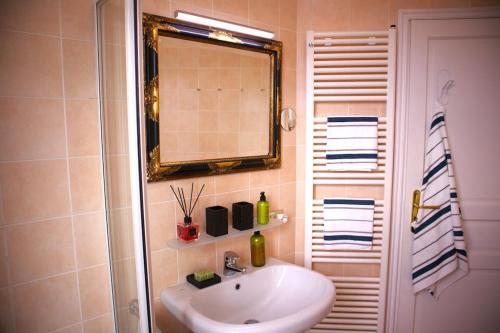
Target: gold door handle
[416, 205]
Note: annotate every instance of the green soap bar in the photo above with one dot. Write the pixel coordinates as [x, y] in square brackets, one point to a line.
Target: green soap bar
[203, 275]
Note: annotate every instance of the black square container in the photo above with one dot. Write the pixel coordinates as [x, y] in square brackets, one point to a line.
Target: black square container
[242, 215]
[216, 217]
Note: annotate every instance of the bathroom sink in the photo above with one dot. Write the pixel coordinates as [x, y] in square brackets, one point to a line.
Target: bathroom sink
[278, 297]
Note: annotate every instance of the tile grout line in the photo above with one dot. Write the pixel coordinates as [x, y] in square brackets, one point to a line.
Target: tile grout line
[52, 218]
[65, 112]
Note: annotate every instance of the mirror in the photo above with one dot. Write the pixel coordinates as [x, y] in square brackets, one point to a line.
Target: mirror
[211, 100]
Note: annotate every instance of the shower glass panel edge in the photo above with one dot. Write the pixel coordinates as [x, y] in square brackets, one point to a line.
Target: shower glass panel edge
[119, 96]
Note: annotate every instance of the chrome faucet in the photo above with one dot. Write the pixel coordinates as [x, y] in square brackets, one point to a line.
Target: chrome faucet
[230, 267]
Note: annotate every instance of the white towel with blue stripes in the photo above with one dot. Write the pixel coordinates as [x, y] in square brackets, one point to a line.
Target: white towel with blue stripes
[351, 143]
[439, 255]
[348, 223]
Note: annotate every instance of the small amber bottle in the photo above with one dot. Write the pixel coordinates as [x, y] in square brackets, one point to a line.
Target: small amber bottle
[257, 249]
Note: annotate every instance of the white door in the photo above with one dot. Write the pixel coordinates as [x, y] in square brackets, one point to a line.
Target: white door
[464, 47]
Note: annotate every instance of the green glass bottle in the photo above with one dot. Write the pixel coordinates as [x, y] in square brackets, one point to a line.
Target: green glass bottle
[262, 209]
[258, 249]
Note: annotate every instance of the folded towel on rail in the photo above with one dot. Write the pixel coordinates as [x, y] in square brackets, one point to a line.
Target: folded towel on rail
[439, 256]
[348, 223]
[351, 143]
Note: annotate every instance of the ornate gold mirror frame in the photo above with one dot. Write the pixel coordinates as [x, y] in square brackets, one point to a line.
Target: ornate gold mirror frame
[155, 26]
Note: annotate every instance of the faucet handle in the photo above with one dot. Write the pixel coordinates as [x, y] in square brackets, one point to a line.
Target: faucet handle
[231, 257]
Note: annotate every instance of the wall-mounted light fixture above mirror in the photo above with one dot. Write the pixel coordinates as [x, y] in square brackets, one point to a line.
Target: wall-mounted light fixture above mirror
[212, 100]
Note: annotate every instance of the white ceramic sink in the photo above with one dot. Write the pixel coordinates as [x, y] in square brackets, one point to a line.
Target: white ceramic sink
[279, 297]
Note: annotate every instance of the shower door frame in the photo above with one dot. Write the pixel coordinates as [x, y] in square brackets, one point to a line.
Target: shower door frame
[137, 161]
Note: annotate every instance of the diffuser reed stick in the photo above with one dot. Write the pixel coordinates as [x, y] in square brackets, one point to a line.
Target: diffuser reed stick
[181, 199]
[187, 230]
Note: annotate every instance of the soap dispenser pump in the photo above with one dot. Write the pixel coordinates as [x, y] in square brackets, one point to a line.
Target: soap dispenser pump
[262, 209]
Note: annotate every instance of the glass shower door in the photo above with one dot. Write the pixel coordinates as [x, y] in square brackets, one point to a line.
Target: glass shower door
[121, 151]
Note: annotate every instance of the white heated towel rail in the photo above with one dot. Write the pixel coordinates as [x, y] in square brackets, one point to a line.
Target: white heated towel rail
[350, 67]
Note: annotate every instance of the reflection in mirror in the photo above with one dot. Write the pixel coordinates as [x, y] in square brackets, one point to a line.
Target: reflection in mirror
[215, 100]
[212, 100]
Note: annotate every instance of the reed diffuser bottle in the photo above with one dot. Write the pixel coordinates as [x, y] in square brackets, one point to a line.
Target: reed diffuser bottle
[187, 230]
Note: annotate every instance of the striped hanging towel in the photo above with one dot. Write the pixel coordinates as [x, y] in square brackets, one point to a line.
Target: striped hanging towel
[348, 223]
[439, 255]
[351, 143]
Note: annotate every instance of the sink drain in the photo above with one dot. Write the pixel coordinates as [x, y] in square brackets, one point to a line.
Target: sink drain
[251, 321]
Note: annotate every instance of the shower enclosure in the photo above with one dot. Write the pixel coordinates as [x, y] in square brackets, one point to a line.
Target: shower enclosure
[119, 96]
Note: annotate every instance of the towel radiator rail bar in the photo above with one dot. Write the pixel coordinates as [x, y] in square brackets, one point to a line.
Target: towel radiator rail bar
[349, 67]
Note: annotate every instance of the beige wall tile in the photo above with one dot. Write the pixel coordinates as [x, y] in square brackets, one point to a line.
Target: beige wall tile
[289, 88]
[7, 320]
[164, 273]
[41, 249]
[288, 163]
[287, 199]
[83, 131]
[264, 11]
[31, 65]
[86, 185]
[78, 19]
[47, 305]
[90, 239]
[162, 224]
[159, 191]
[78, 328]
[34, 190]
[157, 7]
[264, 178]
[79, 69]
[289, 39]
[31, 129]
[103, 324]
[190, 7]
[288, 14]
[272, 238]
[330, 15]
[38, 16]
[299, 235]
[369, 15]
[232, 7]
[94, 291]
[287, 240]
[196, 258]
[234, 182]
